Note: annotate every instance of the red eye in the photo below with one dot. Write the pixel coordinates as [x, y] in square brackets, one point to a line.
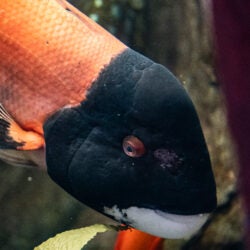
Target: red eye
[133, 147]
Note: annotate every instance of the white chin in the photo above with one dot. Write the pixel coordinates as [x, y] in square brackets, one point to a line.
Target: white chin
[158, 223]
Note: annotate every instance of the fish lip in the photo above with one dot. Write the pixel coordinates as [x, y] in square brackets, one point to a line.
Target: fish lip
[159, 223]
[186, 225]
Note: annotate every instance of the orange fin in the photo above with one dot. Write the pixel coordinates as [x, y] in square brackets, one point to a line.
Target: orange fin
[133, 239]
[12, 136]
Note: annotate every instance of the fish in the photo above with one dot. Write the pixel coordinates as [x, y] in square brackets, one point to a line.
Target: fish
[111, 127]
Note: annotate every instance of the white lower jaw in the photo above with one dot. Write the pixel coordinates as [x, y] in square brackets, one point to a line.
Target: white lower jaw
[158, 223]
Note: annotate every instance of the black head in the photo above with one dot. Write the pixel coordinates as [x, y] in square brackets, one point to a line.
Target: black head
[92, 149]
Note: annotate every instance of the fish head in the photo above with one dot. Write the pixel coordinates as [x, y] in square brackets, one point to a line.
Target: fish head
[134, 150]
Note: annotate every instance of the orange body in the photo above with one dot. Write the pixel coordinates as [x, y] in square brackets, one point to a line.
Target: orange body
[49, 57]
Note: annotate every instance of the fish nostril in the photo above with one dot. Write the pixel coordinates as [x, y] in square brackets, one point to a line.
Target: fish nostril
[168, 160]
[165, 155]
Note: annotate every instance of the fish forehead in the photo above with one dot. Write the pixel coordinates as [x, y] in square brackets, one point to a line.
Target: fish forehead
[49, 57]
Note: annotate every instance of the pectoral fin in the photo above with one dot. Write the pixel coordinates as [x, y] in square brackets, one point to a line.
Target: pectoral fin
[12, 136]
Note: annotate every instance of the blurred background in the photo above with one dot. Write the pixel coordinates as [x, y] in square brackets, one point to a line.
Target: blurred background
[176, 33]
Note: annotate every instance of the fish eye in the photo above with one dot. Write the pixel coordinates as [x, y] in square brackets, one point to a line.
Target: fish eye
[133, 147]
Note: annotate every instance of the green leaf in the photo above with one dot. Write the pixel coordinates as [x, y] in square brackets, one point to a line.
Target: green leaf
[74, 239]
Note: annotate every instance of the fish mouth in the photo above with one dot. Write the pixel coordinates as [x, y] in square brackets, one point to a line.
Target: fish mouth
[157, 222]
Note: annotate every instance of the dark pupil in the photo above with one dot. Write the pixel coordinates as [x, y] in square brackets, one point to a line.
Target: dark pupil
[129, 149]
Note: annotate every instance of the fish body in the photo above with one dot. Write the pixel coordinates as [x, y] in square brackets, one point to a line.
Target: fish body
[119, 131]
[48, 61]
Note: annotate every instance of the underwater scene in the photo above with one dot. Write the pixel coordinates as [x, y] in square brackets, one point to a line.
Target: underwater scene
[126, 130]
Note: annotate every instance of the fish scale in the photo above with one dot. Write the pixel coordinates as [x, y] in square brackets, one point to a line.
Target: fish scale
[53, 57]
